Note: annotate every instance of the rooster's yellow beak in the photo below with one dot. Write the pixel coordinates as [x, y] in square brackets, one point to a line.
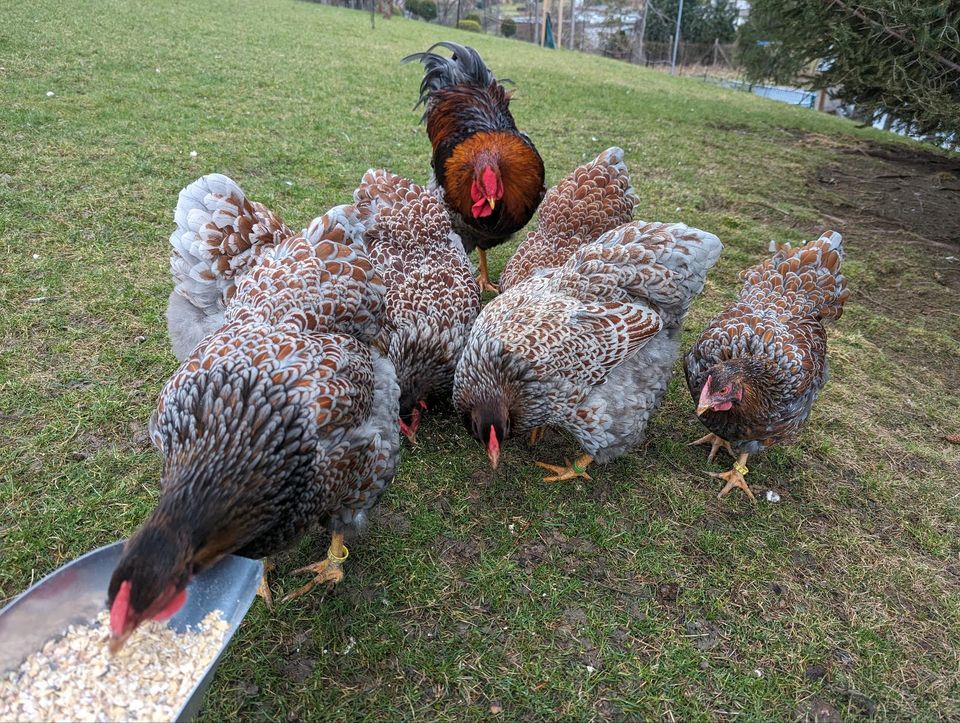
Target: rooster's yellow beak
[703, 408]
[492, 202]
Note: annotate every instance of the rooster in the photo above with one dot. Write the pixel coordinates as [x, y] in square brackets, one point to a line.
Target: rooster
[431, 300]
[588, 347]
[220, 236]
[756, 370]
[591, 200]
[488, 173]
[283, 418]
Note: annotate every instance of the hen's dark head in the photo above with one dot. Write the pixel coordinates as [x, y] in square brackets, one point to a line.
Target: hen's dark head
[150, 581]
[724, 387]
[489, 424]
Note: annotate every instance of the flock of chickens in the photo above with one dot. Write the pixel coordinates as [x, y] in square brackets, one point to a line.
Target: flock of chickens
[306, 355]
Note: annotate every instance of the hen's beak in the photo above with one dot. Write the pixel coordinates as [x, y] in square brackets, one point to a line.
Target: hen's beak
[409, 431]
[493, 449]
[492, 201]
[701, 408]
[117, 641]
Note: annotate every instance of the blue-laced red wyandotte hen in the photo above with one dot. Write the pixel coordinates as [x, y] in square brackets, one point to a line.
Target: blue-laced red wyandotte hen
[284, 418]
[588, 347]
[757, 369]
[488, 173]
[431, 297]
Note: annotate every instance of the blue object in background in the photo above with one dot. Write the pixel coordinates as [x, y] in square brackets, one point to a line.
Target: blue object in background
[548, 35]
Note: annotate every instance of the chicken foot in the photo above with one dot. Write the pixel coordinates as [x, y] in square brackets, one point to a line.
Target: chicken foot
[716, 444]
[328, 570]
[734, 478]
[264, 589]
[568, 471]
[483, 278]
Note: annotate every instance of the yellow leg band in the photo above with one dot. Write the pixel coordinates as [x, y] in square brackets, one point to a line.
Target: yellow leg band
[334, 558]
[741, 468]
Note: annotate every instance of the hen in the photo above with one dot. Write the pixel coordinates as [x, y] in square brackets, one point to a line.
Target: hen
[588, 347]
[593, 199]
[220, 236]
[284, 418]
[431, 300]
[756, 370]
[488, 173]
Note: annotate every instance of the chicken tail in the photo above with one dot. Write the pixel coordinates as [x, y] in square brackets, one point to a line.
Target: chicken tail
[319, 281]
[593, 199]
[219, 236]
[379, 191]
[663, 264]
[341, 224]
[466, 67]
[395, 208]
[809, 275]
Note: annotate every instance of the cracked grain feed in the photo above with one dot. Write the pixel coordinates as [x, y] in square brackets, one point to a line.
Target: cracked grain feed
[76, 678]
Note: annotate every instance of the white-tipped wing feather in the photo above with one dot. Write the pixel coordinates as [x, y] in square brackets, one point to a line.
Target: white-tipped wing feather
[220, 236]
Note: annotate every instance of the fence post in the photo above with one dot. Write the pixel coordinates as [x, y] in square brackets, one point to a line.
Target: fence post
[543, 24]
[560, 24]
[676, 39]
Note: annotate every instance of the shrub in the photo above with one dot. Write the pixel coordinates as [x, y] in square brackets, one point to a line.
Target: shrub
[426, 9]
[508, 28]
[471, 26]
[474, 17]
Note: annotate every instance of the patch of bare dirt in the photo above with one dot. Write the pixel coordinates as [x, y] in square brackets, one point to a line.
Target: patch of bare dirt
[819, 711]
[897, 188]
[899, 210]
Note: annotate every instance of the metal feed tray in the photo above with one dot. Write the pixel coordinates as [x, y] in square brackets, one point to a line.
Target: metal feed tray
[77, 592]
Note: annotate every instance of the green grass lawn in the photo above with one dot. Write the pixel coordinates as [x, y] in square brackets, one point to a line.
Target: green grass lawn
[636, 594]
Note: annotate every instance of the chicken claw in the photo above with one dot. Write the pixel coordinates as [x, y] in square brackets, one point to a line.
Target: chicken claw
[715, 442]
[734, 478]
[487, 285]
[328, 570]
[569, 471]
[483, 278]
[264, 589]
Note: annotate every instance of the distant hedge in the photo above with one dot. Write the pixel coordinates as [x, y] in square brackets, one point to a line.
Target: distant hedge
[426, 9]
[471, 26]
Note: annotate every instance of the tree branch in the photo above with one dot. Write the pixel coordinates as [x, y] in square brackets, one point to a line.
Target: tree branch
[900, 36]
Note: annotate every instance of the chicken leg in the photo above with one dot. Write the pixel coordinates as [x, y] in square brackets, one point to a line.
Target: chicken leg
[483, 278]
[715, 442]
[327, 570]
[569, 471]
[536, 434]
[264, 589]
[734, 478]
